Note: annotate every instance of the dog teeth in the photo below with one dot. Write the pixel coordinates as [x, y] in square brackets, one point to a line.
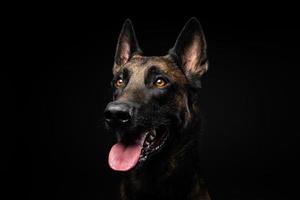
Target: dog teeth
[151, 137]
[153, 133]
[146, 144]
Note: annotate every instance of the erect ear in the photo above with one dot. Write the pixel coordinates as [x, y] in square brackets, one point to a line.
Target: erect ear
[127, 44]
[190, 50]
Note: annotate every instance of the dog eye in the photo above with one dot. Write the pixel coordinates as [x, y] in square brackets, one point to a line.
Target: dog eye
[119, 83]
[160, 83]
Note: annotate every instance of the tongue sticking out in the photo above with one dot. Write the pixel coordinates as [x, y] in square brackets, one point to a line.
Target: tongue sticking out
[122, 157]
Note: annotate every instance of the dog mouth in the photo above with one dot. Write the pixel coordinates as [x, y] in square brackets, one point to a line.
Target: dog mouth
[125, 155]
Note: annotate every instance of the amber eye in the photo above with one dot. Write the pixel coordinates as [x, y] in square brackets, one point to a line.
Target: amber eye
[160, 83]
[119, 83]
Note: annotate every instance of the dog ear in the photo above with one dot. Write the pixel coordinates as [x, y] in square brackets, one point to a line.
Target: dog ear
[127, 44]
[190, 50]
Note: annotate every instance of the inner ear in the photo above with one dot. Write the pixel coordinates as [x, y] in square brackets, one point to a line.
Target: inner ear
[127, 44]
[190, 49]
[192, 53]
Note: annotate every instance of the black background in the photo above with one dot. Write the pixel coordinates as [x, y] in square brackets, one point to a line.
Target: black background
[59, 149]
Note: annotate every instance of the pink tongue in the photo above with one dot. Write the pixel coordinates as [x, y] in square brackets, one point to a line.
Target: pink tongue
[123, 158]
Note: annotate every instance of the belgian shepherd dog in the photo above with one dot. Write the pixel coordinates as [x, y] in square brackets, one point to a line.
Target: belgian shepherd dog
[156, 117]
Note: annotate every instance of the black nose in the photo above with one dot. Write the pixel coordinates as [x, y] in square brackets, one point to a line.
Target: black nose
[117, 112]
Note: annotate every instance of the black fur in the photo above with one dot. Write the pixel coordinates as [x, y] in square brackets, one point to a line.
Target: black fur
[174, 171]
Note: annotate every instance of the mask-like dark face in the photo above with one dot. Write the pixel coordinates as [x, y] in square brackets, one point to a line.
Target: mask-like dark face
[151, 95]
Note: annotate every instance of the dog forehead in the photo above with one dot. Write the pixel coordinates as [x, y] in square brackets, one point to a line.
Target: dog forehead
[141, 64]
[137, 63]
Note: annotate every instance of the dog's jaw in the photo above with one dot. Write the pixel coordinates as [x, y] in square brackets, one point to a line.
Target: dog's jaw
[153, 143]
[126, 156]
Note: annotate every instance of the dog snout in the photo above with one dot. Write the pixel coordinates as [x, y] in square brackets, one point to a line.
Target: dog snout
[118, 113]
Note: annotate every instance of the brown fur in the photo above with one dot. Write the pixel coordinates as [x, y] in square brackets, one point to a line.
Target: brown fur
[174, 172]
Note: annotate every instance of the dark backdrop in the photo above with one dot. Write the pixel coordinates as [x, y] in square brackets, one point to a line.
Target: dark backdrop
[63, 85]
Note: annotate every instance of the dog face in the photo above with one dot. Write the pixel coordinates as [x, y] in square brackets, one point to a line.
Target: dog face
[152, 100]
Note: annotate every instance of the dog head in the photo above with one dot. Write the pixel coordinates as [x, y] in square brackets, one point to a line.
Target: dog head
[153, 96]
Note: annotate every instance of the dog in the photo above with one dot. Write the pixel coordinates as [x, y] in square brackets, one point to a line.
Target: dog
[157, 118]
